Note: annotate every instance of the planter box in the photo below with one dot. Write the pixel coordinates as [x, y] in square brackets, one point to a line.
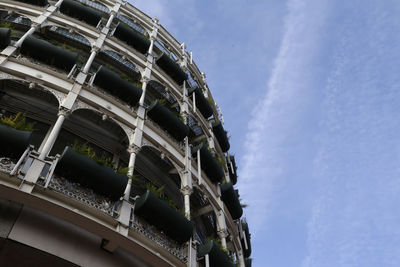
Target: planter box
[247, 262]
[216, 256]
[79, 11]
[171, 68]
[232, 172]
[34, 2]
[48, 53]
[158, 213]
[221, 136]
[168, 121]
[5, 34]
[246, 252]
[13, 142]
[231, 200]
[87, 172]
[208, 163]
[201, 102]
[132, 38]
[115, 85]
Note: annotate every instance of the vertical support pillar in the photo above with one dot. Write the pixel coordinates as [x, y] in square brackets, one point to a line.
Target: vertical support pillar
[62, 114]
[221, 228]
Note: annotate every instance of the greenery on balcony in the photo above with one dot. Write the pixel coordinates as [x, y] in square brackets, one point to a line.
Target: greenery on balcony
[117, 86]
[48, 53]
[167, 120]
[15, 135]
[165, 218]
[5, 35]
[35, 2]
[81, 12]
[217, 257]
[221, 136]
[132, 38]
[231, 199]
[81, 164]
[202, 104]
[209, 163]
[171, 68]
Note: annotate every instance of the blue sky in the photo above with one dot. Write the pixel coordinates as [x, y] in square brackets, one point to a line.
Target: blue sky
[310, 92]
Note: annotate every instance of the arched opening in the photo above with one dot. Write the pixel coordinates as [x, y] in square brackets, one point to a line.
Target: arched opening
[17, 23]
[106, 137]
[154, 169]
[39, 106]
[155, 90]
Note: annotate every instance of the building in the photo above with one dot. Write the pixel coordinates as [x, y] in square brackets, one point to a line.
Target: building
[128, 162]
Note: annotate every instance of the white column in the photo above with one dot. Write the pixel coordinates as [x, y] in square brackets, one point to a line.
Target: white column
[54, 133]
[133, 150]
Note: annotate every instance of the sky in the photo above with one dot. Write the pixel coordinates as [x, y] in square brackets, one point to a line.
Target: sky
[310, 93]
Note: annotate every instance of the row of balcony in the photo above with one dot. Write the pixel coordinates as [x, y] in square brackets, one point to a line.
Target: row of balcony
[81, 169]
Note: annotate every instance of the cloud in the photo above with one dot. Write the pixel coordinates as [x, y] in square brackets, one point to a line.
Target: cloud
[275, 118]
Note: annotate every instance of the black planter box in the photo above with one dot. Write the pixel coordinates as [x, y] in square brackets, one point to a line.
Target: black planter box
[208, 163]
[5, 34]
[232, 172]
[34, 2]
[247, 262]
[231, 200]
[79, 11]
[48, 53]
[115, 85]
[87, 172]
[246, 252]
[168, 121]
[171, 68]
[221, 136]
[132, 38]
[202, 103]
[13, 142]
[216, 256]
[158, 213]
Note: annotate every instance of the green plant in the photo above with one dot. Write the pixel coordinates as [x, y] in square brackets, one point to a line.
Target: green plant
[18, 122]
[210, 101]
[221, 161]
[159, 193]
[88, 151]
[129, 79]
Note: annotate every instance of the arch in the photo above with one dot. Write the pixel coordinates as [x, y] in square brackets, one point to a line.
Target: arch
[104, 135]
[96, 5]
[133, 24]
[154, 167]
[117, 57]
[18, 20]
[72, 36]
[37, 103]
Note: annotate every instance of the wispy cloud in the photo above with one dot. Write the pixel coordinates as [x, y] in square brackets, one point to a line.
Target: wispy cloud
[353, 221]
[264, 164]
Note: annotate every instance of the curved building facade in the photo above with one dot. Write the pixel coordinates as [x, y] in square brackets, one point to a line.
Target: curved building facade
[112, 150]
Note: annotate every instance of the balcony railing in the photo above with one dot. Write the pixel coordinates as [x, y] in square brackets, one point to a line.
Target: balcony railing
[151, 232]
[48, 179]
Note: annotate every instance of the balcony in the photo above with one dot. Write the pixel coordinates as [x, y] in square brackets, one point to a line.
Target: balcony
[168, 121]
[49, 54]
[81, 12]
[118, 87]
[209, 164]
[214, 255]
[231, 199]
